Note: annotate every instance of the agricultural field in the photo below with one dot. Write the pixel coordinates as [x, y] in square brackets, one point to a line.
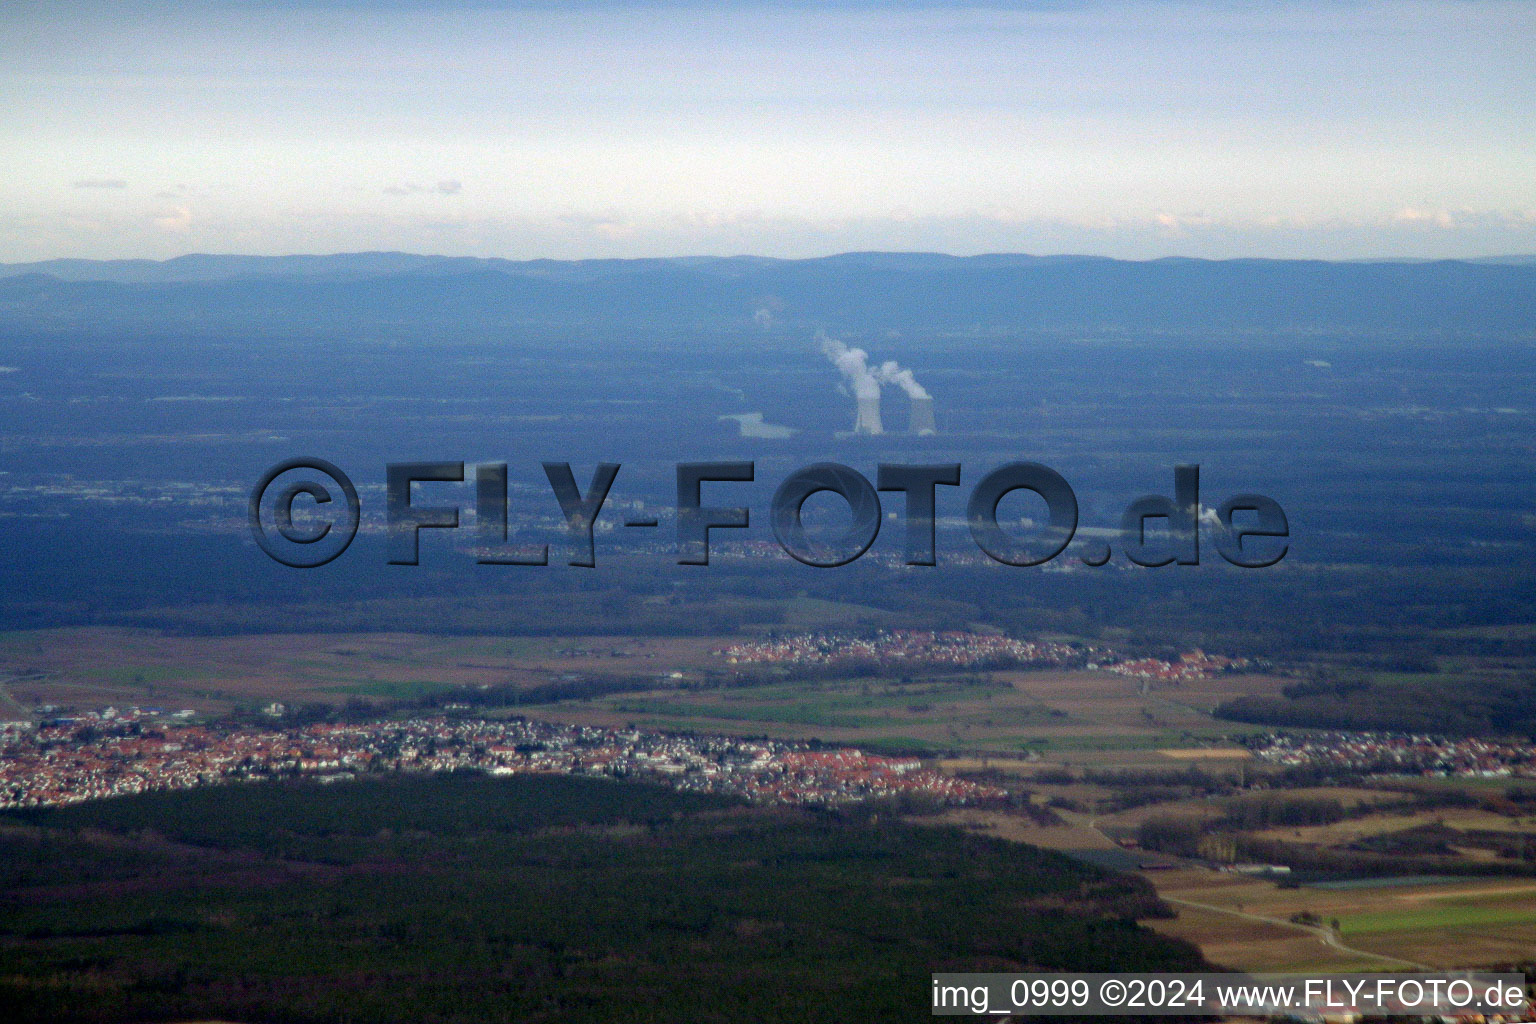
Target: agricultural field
[1247, 923]
[1095, 755]
[94, 667]
[1440, 924]
[671, 683]
[1350, 830]
[1059, 717]
[1382, 919]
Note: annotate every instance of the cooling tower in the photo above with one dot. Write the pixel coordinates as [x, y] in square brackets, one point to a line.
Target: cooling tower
[922, 416]
[868, 421]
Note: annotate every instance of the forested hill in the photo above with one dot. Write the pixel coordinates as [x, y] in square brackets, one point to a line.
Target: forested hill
[463, 898]
[895, 291]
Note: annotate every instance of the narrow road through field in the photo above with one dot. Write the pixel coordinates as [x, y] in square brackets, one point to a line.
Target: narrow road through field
[1322, 933]
[1327, 936]
[10, 705]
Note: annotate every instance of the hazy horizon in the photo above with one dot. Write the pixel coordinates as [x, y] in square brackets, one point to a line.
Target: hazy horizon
[1502, 257]
[1127, 128]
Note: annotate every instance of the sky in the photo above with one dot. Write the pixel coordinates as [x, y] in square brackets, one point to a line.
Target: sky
[1130, 128]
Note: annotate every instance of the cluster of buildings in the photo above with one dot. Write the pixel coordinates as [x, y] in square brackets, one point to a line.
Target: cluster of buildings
[956, 649]
[1400, 754]
[89, 757]
[856, 775]
[1194, 664]
[892, 649]
[177, 494]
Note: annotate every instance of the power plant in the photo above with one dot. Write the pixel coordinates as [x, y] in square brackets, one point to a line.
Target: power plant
[853, 363]
[868, 419]
[922, 416]
[865, 383]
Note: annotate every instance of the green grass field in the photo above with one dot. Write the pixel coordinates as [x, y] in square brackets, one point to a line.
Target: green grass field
[1444, 914]
[392, 690]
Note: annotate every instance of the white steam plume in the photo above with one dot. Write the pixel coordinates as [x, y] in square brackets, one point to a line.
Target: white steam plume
[890, 372]
[854, 365]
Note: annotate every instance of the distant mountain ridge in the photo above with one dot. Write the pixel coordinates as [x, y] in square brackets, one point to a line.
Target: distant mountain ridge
[402, 293]
[206, 267]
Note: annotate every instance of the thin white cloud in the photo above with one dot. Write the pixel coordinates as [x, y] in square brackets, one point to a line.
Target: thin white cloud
[1432, 218]
[176, 220]
[449, 187]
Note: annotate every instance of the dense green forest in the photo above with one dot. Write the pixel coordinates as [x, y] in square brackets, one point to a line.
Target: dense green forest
[1430, 703]
[469, 898]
